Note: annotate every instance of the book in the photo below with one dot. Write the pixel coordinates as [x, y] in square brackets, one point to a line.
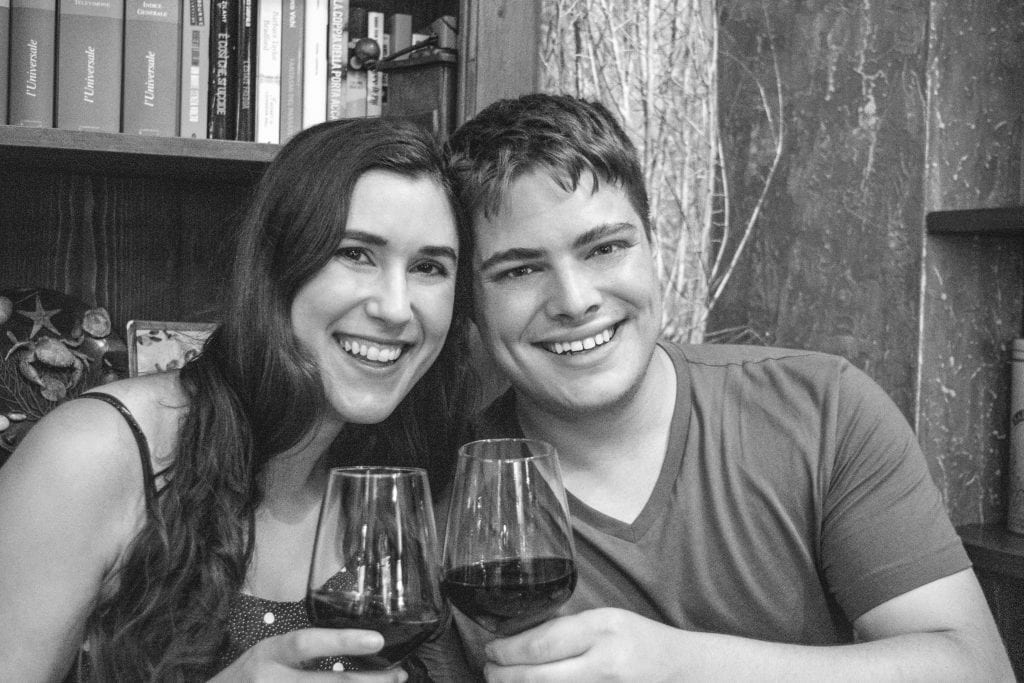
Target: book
[337, 58]
[89, 49]
[152, 59]
[292, 26]
[314, 62]
[1015, 504]
[245, 72]
[195, 68]
[33, 63]
[399, 29]
[268, 71]
[5, 51]
[355, 75]
[374, 77]
[223, 89]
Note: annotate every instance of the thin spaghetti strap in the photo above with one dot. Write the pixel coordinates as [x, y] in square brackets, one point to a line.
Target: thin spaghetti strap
[149, 479]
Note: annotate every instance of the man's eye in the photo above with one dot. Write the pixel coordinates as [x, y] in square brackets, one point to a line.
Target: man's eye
[355, 254]
[517, 272]
[608, 249]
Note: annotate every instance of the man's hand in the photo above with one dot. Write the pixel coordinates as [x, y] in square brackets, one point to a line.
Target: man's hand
[597, 645]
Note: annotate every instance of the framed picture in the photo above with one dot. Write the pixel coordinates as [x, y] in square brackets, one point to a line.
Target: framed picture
[158, 346]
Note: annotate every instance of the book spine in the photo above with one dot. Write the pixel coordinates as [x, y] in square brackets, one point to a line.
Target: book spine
[355, 76]
[223, 55]
[337, 59]
[195, 68]
[245, 72]
[399, 27]
[292, 25]
[385, 52]
[33, 62]
[5, 52]
[89, 49]
[268, 71]
[314, 62]
[1015, 506]
[152, 56]
[374, 77]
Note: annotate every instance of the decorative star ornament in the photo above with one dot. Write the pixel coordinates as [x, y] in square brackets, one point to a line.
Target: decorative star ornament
[41, 318]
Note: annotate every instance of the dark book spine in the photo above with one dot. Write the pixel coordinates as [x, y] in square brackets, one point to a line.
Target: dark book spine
[245, 127]
[33, 62]
[152, 59]
[5, 51]
[223, 56]
[89, 52]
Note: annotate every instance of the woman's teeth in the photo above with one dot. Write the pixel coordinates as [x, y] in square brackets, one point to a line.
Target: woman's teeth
[380, 354]
[584, 344]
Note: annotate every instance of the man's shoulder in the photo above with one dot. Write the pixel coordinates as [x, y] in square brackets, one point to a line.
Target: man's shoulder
[725, 355]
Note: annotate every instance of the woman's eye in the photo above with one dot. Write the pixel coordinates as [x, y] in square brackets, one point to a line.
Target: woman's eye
[430, 268]
[355, 254]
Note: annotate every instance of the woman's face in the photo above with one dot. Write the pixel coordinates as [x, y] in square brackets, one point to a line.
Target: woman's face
[376, 316]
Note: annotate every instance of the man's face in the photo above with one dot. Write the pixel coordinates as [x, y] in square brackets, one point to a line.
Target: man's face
[566, 294]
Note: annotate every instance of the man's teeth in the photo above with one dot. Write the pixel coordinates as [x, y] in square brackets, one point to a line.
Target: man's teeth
[584, 344]
[381, 354]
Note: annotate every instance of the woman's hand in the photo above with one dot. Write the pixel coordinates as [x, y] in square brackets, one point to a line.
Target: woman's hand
[280, 658]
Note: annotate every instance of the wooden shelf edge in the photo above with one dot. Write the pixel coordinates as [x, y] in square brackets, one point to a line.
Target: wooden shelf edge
[133, 155]
[994, 548]
[1008, 221]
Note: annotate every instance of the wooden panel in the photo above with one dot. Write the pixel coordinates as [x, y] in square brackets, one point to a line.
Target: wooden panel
[974, 294]
[834, 261]
[144, 248]
[500, 41]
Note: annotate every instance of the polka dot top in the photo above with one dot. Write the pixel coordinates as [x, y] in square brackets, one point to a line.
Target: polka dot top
[253, 619]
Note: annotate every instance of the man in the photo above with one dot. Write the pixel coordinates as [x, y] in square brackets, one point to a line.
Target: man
[739, 512]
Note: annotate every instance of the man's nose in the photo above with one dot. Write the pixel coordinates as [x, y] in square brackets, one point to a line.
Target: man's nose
[572, 294]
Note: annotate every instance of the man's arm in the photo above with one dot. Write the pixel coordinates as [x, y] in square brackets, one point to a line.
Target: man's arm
[942, 631]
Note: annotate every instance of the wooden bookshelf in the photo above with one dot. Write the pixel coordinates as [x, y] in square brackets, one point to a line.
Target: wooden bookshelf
[118, 154]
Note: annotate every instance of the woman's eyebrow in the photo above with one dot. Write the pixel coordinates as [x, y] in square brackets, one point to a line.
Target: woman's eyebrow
[434, 251]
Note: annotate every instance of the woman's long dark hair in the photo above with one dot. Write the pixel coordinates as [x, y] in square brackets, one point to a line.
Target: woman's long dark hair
[253, 393]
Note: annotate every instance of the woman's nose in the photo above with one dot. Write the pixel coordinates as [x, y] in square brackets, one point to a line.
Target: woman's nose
[389, 301]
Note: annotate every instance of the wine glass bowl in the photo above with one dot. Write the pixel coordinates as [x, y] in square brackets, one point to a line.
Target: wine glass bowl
[375, 561]
[509, 560]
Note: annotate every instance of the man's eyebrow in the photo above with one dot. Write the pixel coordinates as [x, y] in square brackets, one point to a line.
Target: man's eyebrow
[598, 232]
[433, 251]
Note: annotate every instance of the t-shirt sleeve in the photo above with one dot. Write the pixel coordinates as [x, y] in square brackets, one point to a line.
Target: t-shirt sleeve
[885, 530]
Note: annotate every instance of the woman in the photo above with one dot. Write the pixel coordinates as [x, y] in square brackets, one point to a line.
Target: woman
[195, 561]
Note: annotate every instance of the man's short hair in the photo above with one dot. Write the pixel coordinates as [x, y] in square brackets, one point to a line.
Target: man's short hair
[562, 135]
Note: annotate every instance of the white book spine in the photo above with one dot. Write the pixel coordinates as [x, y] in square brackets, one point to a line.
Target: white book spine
[268, 71]
[314, 74]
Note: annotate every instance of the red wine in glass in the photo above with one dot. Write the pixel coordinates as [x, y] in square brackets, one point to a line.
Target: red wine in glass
[402, 633]
[510, 596]
[375, 562]
[509, 560]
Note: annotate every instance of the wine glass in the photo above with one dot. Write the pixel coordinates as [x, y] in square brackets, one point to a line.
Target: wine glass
[375, 560]
[509, 560]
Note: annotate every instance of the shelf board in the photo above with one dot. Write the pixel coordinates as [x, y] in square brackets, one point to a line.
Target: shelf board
[994, 548]
[1005, 222]
[68, 151]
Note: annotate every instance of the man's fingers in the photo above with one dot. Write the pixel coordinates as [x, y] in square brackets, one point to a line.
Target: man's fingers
[549, 642]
